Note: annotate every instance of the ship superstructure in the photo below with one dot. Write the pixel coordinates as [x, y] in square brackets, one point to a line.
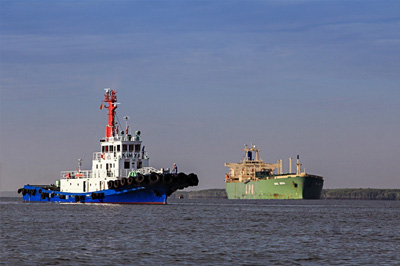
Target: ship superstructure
[121, 153]
[120, 171]
[252, 178]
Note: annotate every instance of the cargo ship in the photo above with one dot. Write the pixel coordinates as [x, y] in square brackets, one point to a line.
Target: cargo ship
[252, 178]
[120, 172]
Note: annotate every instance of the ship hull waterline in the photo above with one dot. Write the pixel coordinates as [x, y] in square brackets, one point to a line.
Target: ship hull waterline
[133, 195]
[297, 187]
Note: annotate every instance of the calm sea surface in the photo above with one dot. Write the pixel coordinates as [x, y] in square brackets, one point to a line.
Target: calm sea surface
[202, 232]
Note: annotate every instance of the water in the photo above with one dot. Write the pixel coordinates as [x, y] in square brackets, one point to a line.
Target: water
[202, 232]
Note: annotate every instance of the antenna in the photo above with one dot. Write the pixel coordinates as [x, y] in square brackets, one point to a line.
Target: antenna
[126, 118]
[79, 164]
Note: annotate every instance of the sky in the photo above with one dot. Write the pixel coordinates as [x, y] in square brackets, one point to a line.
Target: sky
[200, 79]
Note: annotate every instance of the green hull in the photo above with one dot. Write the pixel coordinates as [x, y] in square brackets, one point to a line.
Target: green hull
[296, 187]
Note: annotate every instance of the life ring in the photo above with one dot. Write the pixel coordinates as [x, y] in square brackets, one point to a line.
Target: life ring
[68, 175]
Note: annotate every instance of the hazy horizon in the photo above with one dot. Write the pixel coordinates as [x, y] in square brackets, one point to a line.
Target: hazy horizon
[200, 79]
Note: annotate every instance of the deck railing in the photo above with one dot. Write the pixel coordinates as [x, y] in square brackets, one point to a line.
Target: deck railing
[76, 174]
[119, 155]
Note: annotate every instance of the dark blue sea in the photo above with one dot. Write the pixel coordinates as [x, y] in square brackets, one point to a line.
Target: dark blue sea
[202, 232]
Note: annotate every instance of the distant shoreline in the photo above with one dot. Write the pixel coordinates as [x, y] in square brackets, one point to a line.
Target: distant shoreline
[337, 193]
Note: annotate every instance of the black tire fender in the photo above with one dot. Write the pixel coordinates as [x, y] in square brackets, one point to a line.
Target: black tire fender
[167, 179]
[117, 184]
[154, 178]
[139, 179]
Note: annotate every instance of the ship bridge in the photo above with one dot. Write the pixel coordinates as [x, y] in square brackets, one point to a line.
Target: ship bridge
[251, 164]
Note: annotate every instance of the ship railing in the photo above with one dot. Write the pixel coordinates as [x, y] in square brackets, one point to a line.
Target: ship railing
[112, 155]
[122, 137]
[125, 137]
[111, 139]
[76, 174]
[148, 170]
[104, 155]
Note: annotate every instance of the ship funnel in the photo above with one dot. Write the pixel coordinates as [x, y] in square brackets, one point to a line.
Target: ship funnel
[298, 164]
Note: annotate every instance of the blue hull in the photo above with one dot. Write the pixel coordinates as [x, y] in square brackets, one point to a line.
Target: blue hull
[130, 195]
[148, 190]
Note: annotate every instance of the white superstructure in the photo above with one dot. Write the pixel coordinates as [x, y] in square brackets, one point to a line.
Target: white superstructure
[120, 153]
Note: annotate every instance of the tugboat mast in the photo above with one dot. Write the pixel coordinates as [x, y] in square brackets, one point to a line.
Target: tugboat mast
[111, 99]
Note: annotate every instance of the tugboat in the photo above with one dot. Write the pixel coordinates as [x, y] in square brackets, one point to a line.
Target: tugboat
[120, 172]
[252, 178]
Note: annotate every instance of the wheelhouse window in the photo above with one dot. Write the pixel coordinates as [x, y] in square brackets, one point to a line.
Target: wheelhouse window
[118, 147]
[137, 148]
[126, 164]
[124, 147]
[130, 147]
